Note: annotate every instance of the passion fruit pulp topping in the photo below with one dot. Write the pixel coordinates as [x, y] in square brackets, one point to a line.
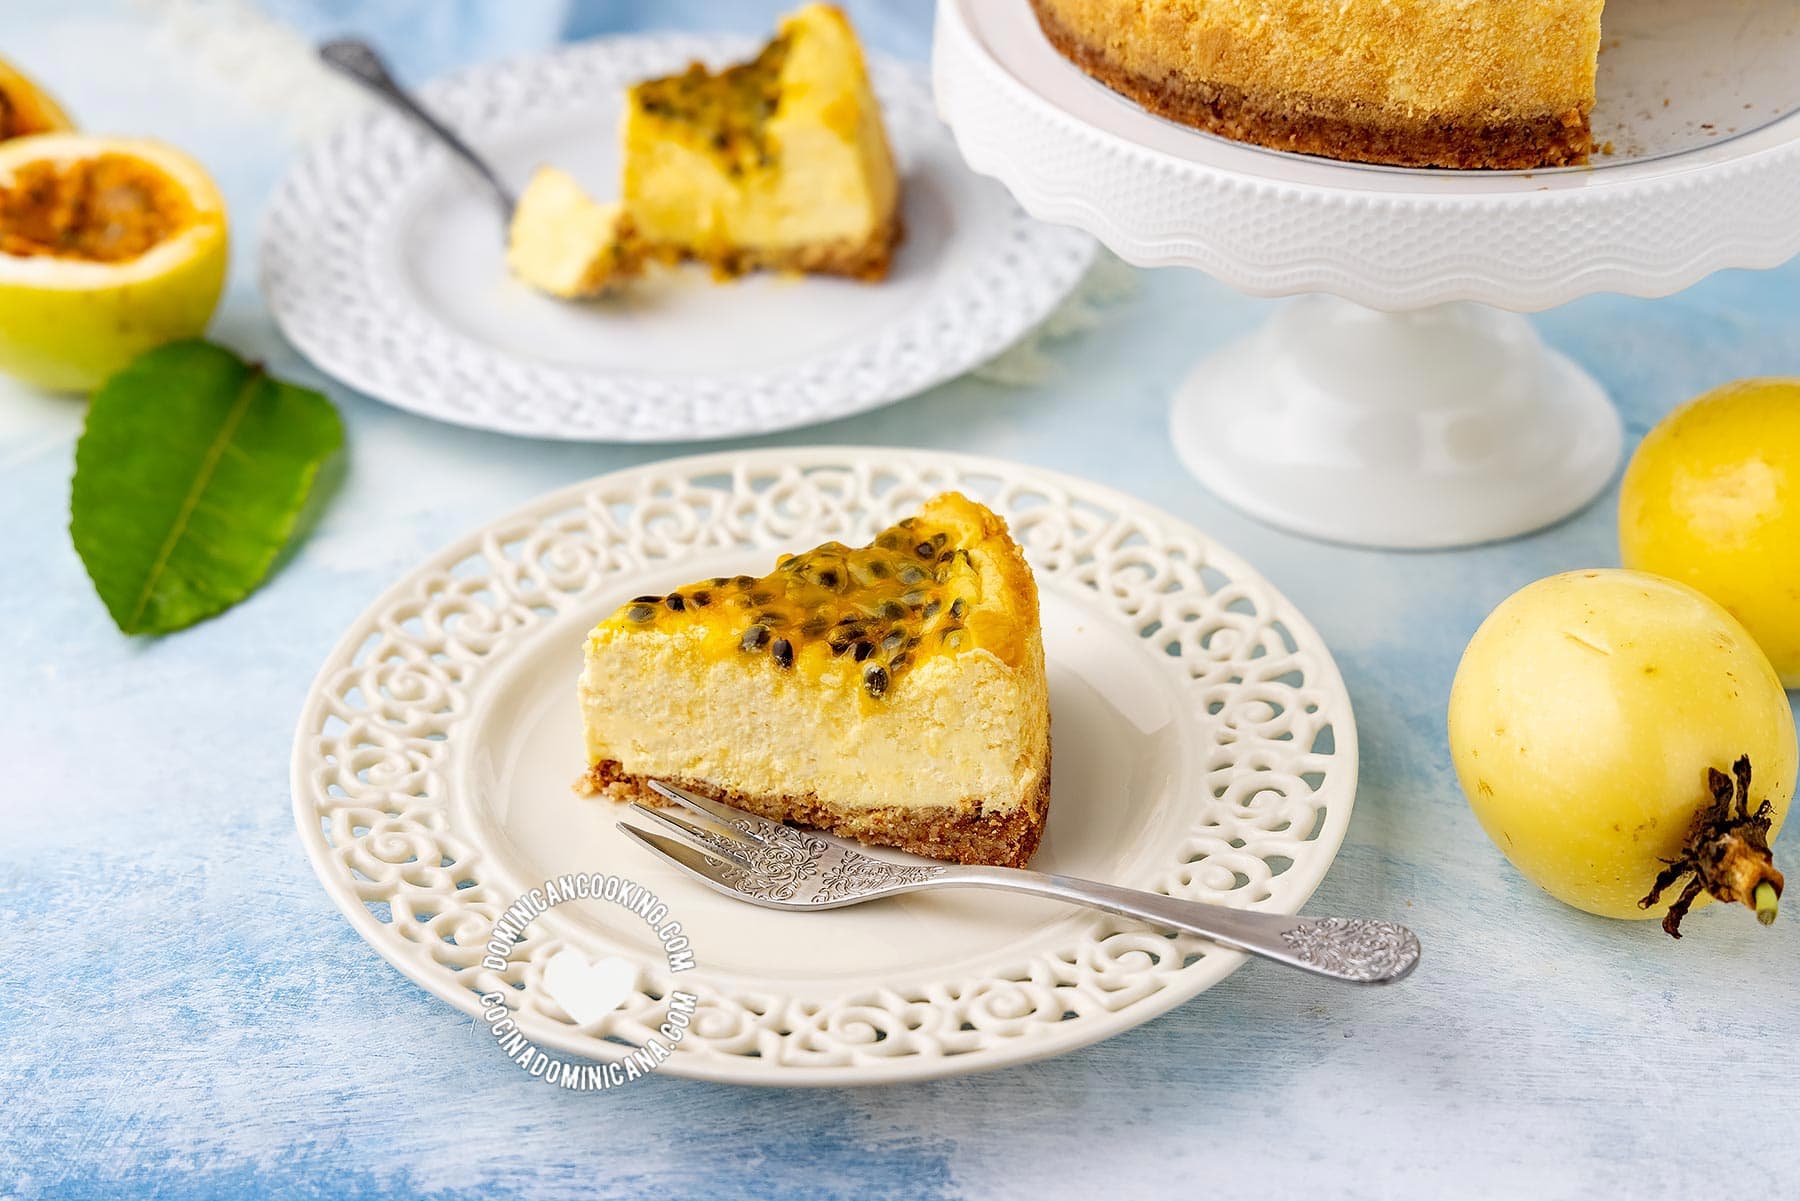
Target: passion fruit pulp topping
[728, 110]
[107, 209]
[877, 611]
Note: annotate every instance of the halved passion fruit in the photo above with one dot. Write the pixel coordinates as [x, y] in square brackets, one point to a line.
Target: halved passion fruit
[107, 248]
[26, 108]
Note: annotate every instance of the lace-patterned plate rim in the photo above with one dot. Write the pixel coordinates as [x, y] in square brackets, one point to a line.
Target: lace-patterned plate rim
[388, 722]
[365, 313]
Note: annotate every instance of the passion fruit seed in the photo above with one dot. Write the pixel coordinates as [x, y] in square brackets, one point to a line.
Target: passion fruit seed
[754, 637]
[675, 602]
[782, 652]
[875, 679]
[640, 612]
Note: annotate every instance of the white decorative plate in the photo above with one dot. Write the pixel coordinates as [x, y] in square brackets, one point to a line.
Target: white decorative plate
[385, 265]
[1204, 747]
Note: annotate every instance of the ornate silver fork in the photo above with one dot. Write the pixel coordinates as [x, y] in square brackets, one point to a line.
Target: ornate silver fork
[781, 867]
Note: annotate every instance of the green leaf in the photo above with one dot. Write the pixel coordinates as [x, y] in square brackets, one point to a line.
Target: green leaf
[188, 479]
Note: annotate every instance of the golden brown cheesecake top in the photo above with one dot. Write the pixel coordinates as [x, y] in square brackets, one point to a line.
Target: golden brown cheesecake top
[947, 581]
[1466, 83]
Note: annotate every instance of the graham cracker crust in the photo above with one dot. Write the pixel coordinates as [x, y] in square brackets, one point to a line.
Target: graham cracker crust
[998, 839]
[1330, 129]
[867, 260]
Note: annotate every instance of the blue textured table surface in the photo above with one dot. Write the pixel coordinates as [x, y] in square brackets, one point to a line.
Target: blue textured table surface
[185, 1014]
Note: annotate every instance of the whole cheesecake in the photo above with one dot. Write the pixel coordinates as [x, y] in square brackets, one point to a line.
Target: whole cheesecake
[892, 693]
[1503, 84]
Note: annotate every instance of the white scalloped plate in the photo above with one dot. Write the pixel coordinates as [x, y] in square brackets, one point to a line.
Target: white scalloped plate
[384, 264]
[1204, 747]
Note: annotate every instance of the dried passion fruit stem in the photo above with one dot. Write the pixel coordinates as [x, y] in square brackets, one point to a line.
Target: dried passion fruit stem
[1727, 853]
[1768, 902]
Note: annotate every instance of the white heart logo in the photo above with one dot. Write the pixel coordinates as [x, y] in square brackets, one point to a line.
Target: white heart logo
[588, 991]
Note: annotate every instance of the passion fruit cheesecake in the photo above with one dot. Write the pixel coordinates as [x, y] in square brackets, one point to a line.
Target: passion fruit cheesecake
[780, 163]
[892, 693]
[1432, 83]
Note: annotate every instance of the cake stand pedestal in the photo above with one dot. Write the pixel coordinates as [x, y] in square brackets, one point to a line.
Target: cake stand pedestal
[1397, 403]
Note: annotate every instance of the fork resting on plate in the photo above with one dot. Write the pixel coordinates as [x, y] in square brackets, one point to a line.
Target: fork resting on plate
[781, 867]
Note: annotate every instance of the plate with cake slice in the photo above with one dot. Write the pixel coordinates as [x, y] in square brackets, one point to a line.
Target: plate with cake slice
[884, 645]
[712, 238]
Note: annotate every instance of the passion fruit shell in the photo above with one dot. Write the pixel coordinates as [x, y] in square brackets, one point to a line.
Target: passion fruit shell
[108, 247]
[25, 108]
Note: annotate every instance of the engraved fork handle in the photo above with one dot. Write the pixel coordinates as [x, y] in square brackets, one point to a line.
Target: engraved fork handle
[1357, 949]
[359, 61]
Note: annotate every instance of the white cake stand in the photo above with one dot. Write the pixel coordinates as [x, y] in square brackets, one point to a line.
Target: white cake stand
[1396, 404]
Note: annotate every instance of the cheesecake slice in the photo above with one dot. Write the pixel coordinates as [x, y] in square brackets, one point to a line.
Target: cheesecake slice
[778, 163]
[892, 693]
[1430, 83]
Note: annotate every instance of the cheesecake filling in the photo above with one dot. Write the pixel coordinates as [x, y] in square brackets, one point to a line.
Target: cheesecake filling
[563, 242]
[962, 737]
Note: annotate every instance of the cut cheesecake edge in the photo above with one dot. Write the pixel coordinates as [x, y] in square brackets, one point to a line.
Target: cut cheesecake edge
[866, 259]
[959, 834]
